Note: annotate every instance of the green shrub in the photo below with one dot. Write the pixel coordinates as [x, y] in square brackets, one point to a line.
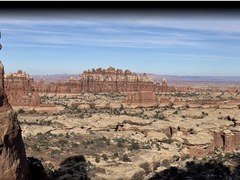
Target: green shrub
[97, 159]
[168, 141]
[105, 157]
[115, 154]
[67, 136]
[21, 111]
[120, 142]
[32, 111]
[35, 147]
[175, 112]
[134, 146]
[125, 158]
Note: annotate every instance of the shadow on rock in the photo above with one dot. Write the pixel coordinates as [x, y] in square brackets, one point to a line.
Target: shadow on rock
[36, 169]
[72, 168]
[211, 170]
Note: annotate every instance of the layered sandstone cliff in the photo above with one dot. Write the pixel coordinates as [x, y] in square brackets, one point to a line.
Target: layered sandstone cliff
[20, 89]
[13, 162]
[102, 80]
[141, 99]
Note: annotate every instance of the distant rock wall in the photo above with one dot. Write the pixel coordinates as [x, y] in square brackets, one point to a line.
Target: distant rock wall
[101, 80]
[23, 91]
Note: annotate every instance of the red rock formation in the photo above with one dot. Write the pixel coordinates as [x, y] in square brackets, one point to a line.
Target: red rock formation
[23, 91]
[141, 99]
[164, 85]
[101, 80]
[13, 162]
[178, 103]
[111, 80]
[20, 89]
[223, 140]
[229, 141]
[165, 102]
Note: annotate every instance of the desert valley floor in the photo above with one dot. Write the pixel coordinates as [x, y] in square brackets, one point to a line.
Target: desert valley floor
[123, 140]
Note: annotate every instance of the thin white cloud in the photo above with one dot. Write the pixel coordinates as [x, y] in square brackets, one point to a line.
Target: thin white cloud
[136, 32]
[205, 23]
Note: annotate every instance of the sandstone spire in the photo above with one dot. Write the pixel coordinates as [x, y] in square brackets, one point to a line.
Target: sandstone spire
[13, 161]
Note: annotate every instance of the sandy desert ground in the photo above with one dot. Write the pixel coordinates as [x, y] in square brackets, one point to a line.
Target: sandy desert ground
[122, 141]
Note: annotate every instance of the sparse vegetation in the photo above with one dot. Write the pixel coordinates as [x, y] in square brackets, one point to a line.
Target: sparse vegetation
[134, 146]
[105, 157]
[92, 130]
[125, 158]
[97, 160]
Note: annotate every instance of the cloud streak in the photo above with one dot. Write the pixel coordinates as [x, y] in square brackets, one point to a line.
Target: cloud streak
[122, 33]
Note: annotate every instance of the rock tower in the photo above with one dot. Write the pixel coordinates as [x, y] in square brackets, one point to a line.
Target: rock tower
[13, 161]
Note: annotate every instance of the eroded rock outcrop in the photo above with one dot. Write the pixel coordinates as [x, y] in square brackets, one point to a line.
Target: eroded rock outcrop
[23, 91]
[141, 99]
[20, 89]
[103, 80]
[13, 162]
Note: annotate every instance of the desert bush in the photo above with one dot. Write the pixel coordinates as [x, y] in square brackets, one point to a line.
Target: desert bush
[67, 135]
[32, 111]
[105, 157]
[120, 142]
[168, 141]
[121, 108]
[175, 112]
[159, 116]
[146, 146]
[60, 135]
[134, 146]
[125, 158]
[62, 142]
[55, 152]
[40, 136]
[106, 140]
[21, 111]
[35, 147]
[100, 144]
[74, 145]
[115, 155]
[97, 159]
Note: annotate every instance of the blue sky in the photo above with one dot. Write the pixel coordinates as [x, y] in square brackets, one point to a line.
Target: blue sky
[158, 43]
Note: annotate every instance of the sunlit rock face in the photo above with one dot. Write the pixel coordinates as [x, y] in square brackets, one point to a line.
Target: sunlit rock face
[20, 89]
[13, 162]
[141, 99]
[101, 80]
